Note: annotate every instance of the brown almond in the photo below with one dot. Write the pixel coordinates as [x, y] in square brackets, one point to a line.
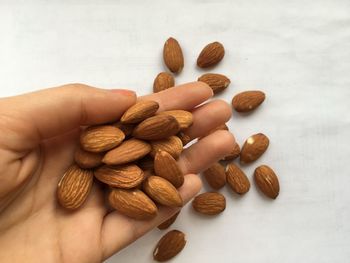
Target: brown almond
[172, 145]
[254, 147]
[169, 246]
[233, 154]
[267, 181]
[129, 151]
[211, 55]
[101, 138]
[210, 203]
[185, 139]
[124, 176]
[217, 82]
[172, 54]
[248, 100]
[184, 118]
[162, 191]
[87, 160]
[163, 81]
[124, 127]
[140, 111]
[157, 127]
[167, 223]
[215, 176]
[74, 187]
[132, 203]
[146, 163]
[166, 166]
[237, 179]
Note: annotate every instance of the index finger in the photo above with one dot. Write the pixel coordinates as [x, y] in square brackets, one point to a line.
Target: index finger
[184, 97]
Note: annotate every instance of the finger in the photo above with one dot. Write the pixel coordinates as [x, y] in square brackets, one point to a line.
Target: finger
[199, 156]
[129, 230]
[185, 97]
[207, 117]
[47, 113]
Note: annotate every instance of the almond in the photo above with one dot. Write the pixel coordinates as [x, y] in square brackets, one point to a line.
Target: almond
[233, 154]
[253, 148]
[173, 57]
[163, 81]
[168, 222]
[171, 145]
[124, 176]
[211, 55]
[101, 138]
[87, 160]
[169, 246]
[237, 179]
[248, 100]
[140, 111]
[166, 166]
[210, 203]
[184, 118]
[215, 176]
[267, 181]
[132, 203]
[74, 187]
[124, 127]
[217, 82]
[157, 127]
[146, 163]
[185, 139]
[129, 151]
[162, 191]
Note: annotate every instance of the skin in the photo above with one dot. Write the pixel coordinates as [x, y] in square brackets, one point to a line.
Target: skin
[38, 135]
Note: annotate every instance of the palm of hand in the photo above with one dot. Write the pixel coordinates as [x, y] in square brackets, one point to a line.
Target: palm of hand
[32, 224]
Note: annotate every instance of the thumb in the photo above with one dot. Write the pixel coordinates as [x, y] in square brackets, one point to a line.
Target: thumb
[31, 118]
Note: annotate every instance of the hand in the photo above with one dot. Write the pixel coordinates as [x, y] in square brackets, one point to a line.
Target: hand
[38, 135]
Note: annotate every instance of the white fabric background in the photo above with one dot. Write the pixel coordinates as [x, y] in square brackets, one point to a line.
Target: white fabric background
[298, 52]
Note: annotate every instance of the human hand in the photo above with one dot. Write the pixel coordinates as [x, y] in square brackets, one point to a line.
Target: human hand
[38, 136]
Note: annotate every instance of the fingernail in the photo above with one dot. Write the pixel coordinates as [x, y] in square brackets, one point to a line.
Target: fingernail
[124, 92]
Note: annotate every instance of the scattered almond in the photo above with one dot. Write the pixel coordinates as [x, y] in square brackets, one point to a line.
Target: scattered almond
[217, 82]
[87, 160]
[132, 203]
[237, 179]
[162, 191]
[171, 145]
[129, 151]
[163, 81]
[169, 246]
[74, 187]
[215, 176]
[140, 111]
[101, 138]
[156, 128]
[253, 148]
[248, 100]
[267, 181]
[211, 55]
[210, 203]
[173, 57]
[184, 118]
[167, 223]
[124, 176]
[166, 166]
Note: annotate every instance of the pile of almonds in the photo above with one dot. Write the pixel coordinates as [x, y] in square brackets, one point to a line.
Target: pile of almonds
[136, 157]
